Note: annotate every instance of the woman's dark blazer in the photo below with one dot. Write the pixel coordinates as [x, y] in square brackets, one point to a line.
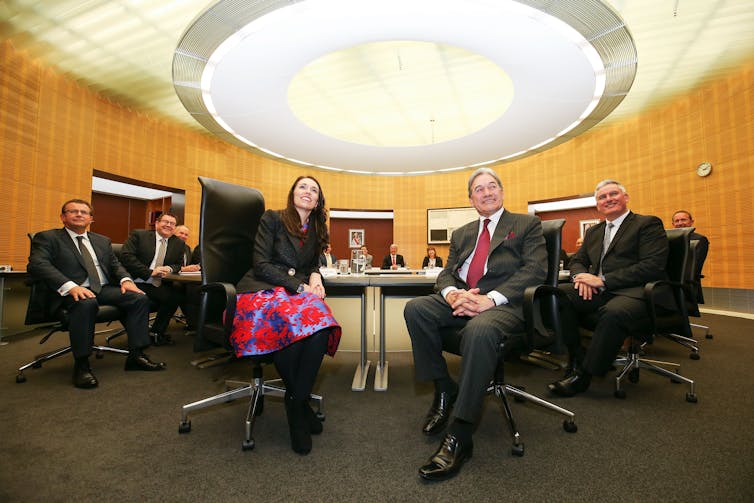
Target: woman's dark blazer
[279, 258]
[438, 262]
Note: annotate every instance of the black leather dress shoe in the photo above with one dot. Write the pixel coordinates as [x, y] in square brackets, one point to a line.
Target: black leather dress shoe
[83, 378]
[577, 382]
[439, 412]
[448, 459]
[161, 339]
[142, 362]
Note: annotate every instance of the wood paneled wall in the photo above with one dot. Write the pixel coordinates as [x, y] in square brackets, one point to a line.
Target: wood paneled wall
[53, 133]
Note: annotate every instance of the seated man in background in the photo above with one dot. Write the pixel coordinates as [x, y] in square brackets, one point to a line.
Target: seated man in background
[367, 257]
[327, 259]
[191, 260]
[490, 263]
[191, 291]
[431, 260]
[608, 272]
[82, 273]
[149, 256]
[683, 218]
[393, 260]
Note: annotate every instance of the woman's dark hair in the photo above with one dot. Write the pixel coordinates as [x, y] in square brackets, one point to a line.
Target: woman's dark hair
[317, 218]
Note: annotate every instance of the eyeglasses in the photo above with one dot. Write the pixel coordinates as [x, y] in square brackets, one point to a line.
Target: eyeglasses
[78, 212]
[168, 223]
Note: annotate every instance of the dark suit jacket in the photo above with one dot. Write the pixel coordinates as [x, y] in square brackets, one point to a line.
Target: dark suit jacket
[517, 259]
[387, 262]
[637, 254]
[139, 249]
[191, 257]
[438, 262]
[55, 260]
[323, 260]
[277, 254]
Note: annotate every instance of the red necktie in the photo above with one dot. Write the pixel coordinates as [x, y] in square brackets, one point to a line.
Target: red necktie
[476, 269]
[393, 259]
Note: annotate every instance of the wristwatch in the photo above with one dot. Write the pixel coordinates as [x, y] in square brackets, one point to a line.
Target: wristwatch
[300, 288]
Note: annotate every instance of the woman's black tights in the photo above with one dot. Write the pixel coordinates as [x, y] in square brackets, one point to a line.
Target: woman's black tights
[298, 364]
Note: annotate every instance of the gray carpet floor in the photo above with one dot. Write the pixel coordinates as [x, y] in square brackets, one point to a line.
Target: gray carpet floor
[120, 442]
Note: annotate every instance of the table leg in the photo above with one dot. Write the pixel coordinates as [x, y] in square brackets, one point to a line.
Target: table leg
[380, 375]
[362, 371]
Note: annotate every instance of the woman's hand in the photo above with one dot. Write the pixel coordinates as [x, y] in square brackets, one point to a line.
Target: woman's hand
[315, 285]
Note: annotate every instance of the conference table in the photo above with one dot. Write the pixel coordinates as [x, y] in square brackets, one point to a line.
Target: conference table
[386, 283]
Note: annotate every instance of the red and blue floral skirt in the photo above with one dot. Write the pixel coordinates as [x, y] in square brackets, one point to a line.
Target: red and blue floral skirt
[269, 320]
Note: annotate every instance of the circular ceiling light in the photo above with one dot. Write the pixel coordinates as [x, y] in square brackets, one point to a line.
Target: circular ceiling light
[400, 93]
[241, 68]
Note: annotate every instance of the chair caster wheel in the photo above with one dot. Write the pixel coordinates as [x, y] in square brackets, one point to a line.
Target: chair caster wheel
[570, 426]
[709, 336]
[247, 445]
[691, 397]
[20, 378]
[184, 427]
[694, 356]
[620, 393]
[517, 450]
[320, 415]
[99, 355]
[633, 376]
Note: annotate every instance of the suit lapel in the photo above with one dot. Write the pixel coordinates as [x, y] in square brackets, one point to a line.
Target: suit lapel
[624, 227]
[504, 229]
[68, 242]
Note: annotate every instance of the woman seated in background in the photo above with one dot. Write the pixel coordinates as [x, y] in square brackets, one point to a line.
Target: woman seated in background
[431, 260]
[280, 307]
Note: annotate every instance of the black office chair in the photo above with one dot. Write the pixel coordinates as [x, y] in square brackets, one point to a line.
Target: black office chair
[37, 312]
[694, 293]
[671, 323]
[229, 219]
[539, 304]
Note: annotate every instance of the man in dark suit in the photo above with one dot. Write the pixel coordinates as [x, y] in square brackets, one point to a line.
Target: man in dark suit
[190, 291]
[608, 272]
[149, 256]
[480, 291]
[327, 259]
[683, 218]
[393, 260]
[64, 259]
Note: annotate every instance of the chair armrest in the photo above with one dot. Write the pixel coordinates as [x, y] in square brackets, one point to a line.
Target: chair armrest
[664, 289]
[228, 292]
[533, 319]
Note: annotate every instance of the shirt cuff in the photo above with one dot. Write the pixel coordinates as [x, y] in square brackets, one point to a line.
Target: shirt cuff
[445, 291]
[66, 288]
[498, 298]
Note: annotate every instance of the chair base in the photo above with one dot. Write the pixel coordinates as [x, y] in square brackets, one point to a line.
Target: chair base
[501, 390]
[687, 342]
[707, 335]
[40, 359]
[256, 390]
[632, 363]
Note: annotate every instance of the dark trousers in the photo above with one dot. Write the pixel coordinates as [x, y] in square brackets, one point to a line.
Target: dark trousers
[480, 345]
[298, 364]
[612, 317]
[167, 298]
[83, 314]
[190, 304]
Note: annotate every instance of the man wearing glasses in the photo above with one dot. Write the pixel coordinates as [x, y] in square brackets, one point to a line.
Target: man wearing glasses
[149, 256]
[82, 273]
